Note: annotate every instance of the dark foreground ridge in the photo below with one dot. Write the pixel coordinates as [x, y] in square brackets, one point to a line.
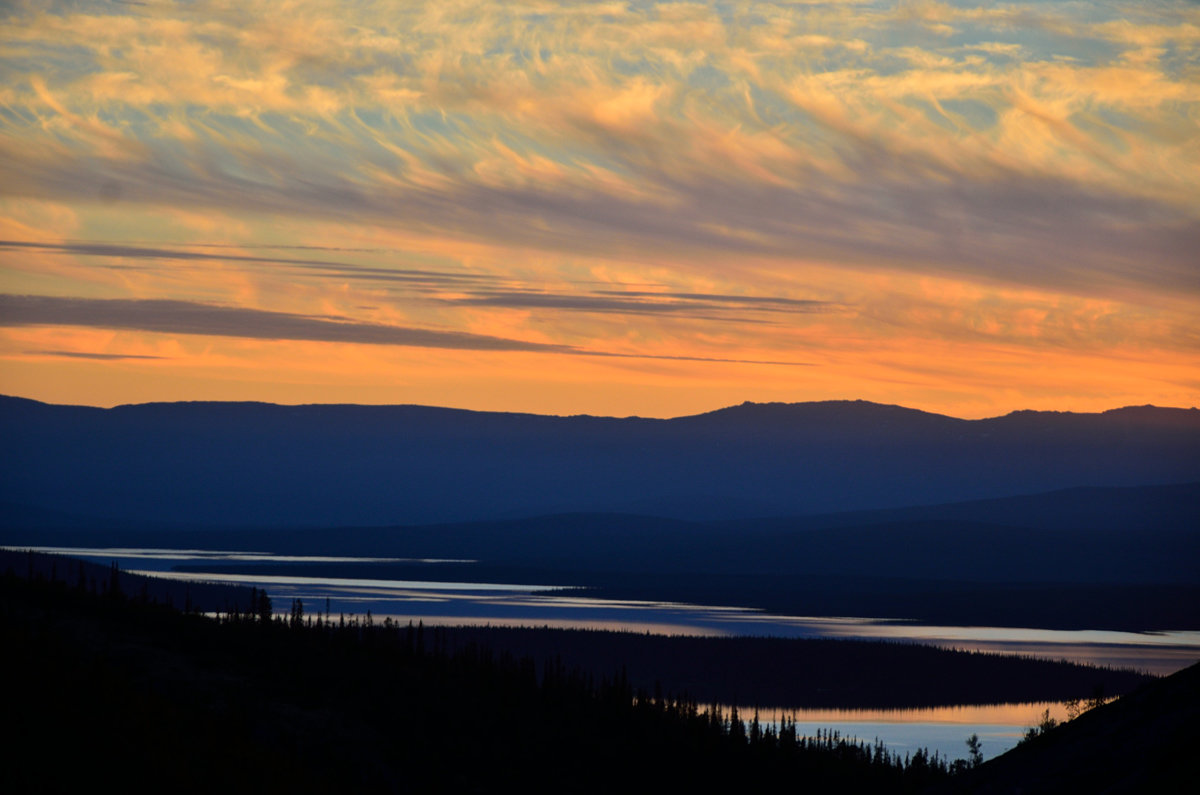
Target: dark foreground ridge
[1143, 742]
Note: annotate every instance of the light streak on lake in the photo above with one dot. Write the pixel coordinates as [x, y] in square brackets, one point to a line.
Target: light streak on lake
[435, 601]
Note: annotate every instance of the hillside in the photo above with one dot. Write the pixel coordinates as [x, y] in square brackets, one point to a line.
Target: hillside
[1144, 741]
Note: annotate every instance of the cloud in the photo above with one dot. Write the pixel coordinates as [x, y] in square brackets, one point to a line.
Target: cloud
[90, 355]
[790, 304]
[162, 316]
[328, 267]
[727, 152]
[889, 207]
[714, 359]
[640, 302]
[645, 130]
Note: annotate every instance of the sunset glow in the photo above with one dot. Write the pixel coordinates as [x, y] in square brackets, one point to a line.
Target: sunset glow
[609, 208]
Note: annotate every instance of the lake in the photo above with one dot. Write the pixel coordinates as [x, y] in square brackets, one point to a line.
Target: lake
[436, 601]
[942, 729]
[433, 601]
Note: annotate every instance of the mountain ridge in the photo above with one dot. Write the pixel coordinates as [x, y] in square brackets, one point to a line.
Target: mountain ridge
[731, 410]
[343, 464]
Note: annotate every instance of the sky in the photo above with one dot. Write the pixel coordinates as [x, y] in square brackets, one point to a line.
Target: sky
[610, 208]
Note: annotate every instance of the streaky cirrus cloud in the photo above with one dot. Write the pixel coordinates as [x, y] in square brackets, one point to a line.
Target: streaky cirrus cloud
[469, 289]
[638, 302]
[127, 251]
[103, 357]
[164, 316]
[744, 128]
[714, 181]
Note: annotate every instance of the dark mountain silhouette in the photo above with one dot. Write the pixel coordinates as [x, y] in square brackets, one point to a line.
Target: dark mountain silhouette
[261, 464]
[1144, 741]
[19, 516]
[1144, 534]
[1126, 508]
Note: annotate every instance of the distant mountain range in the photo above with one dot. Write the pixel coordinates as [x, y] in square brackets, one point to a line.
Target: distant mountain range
[262, 465]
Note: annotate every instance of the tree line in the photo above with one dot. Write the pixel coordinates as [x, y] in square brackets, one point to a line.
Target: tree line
[257, 699]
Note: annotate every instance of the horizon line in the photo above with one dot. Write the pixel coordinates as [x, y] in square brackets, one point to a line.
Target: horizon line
[744, 404]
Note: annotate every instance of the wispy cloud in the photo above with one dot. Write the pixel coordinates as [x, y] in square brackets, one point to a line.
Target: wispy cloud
[649, 128]
[787, 304]
[641, 302]
[765, 180]
[103, 357]
[162, 316]
[329, 267]
[165, 316]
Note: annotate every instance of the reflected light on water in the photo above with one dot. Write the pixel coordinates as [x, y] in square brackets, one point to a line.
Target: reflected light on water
[340, 582]
[1022, 715]
[453, 603]
[220, 555]
[942, 729]
[1026, 635]
[565, 623]
[512, 604]
[1156, 659]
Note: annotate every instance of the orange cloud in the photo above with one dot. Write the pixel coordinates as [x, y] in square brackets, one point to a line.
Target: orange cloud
[607, 177]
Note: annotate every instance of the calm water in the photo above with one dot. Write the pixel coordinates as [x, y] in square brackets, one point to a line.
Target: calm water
[523, 604]
[942, 729]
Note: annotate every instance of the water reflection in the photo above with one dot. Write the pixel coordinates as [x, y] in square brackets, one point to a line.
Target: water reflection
[942, 729]
[1023, 715]
[948, 740]
[513, 604]
[384, 589]
[1023, 635]
[123, 554]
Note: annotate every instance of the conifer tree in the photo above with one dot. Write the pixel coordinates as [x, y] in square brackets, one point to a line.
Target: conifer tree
[974, 752]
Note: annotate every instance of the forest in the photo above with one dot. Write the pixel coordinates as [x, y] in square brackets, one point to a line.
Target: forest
[257, 698]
